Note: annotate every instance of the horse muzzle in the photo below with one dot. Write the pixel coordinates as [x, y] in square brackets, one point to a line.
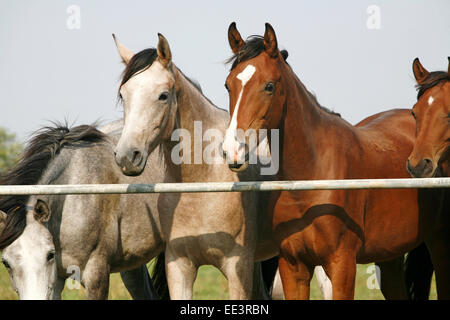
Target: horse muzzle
[132, 161]
[424, 168]
[239, 161]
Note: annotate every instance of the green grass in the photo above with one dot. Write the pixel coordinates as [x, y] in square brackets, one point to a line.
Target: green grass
[210, 284]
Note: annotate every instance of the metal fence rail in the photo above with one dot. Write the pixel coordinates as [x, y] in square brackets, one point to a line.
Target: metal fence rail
[225, 186]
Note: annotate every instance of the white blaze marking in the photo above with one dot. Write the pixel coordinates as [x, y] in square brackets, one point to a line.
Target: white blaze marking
[430, 100]
[245, 77]
[230, 135]
[246, 74]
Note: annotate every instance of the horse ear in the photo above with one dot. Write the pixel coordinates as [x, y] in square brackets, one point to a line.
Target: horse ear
[270, 41]
[164, 53]
[234, 38]
[41, 211]
[3, 217]
[125, 53]
[420, 73]
[448, 71]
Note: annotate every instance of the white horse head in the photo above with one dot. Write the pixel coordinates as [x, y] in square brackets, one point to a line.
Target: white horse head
[149, 104]
[30, 259]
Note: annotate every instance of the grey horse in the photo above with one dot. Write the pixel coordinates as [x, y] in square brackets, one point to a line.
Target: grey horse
[46, 239]
[163, 109]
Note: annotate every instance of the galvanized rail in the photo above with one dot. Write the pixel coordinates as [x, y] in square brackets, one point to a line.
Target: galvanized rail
[225, 186]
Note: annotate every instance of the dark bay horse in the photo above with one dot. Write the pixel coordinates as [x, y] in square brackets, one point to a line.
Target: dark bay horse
[335, 229]
[46, 239]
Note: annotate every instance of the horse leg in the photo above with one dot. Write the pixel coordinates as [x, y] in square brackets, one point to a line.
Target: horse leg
[95, 279]
[269, 269]
[342, 272]
[418, 273]
[181, 274]
[392, 282]
[439, 247]
[277, 290]
[322, 279]
[159, 279]
[324, 283]
[139, 284]
[59, 287]
[238, 269]
[296, 279]
[260, 291]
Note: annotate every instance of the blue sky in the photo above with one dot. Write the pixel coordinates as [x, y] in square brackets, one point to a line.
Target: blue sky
[51, 72]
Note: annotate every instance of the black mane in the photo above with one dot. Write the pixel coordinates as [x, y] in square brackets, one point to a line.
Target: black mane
[140, 62]
[252, 48]
[433, 79]
[45, 144]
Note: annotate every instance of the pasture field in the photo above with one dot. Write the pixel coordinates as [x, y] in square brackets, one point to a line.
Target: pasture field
[210, 284]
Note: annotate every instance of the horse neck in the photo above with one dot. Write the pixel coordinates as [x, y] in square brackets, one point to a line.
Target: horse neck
[192, 104]
[307, 132]
[193, 107]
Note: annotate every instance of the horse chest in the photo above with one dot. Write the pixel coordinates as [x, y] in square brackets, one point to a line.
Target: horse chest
[310, 224]
[208, 213]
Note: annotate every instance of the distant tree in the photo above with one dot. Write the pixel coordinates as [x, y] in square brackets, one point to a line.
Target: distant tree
[10, 150]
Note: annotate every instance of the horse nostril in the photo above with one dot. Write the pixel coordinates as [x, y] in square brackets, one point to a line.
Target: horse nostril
[136, 157]
[422, 169]
[221, 150]
[427, 166]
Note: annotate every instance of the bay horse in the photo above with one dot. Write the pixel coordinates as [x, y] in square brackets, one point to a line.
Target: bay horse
[338, 228]
[431, 154]
[227, 230]
[46, 239]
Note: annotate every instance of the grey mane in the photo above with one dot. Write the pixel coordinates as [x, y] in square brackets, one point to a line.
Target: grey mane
[44, 146]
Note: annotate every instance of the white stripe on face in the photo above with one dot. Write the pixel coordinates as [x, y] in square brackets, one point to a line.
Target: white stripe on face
[430, 100]
[230, 144]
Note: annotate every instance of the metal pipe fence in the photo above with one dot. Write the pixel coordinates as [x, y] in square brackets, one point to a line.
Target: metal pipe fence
[225, 186]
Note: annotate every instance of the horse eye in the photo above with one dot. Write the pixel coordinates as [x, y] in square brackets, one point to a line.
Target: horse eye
[270, 87]
[164, 96]
[50, 255]
[6, 264]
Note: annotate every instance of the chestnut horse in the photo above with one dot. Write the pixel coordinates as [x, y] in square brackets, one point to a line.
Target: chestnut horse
[333, 228]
